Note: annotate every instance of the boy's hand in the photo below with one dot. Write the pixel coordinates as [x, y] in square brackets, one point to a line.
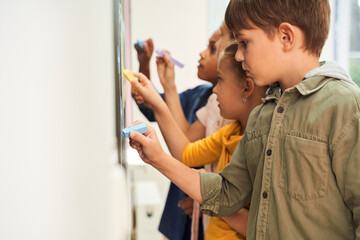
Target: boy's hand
[147, 145]
[166, 72]
[151, 98]
[144, 54]
[188, 205]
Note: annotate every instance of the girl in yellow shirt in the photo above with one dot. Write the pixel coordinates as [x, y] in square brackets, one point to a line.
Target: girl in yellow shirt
[237, 96]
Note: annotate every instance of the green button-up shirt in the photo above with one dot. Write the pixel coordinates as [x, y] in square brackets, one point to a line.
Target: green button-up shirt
[298, 165]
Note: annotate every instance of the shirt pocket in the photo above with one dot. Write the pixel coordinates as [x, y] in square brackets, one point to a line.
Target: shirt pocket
[304, 168]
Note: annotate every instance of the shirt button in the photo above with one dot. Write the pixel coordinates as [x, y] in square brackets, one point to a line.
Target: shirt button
[268, 152]
[280, 109]
[264, 194]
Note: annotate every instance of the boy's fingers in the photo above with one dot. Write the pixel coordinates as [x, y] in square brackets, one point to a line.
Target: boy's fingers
[188, 211]
[134, 144]
[168, 60]
[138, 137]
[185, 201]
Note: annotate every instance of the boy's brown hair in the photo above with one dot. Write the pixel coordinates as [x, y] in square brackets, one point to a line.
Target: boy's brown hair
[311, 16]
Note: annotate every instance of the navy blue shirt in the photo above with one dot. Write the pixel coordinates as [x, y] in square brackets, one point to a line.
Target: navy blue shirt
[175, 224]
[191, 100]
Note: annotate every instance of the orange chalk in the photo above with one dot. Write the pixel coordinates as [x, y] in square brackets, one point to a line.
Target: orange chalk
[129, 75]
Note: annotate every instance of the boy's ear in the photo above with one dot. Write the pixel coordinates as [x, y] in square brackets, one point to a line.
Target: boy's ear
[249, 87]
[287, 35]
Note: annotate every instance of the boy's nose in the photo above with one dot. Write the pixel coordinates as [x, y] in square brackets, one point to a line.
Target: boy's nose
[215, 89]
[239, 56]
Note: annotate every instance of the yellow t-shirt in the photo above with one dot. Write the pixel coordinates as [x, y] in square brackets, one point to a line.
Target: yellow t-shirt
[217, 147]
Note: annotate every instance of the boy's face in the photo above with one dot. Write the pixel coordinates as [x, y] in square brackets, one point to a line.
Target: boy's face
[207, 68]
[261, 57]
[228, 89]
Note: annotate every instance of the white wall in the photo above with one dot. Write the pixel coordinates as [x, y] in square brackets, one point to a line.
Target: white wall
[217, 10]
[180, 27]
[57, 122]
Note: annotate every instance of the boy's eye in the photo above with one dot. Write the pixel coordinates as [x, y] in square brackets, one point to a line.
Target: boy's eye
[243, 43]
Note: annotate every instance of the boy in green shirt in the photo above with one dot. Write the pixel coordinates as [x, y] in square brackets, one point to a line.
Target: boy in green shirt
[298, 163]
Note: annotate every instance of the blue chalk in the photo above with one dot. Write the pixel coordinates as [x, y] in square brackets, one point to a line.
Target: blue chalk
[140, 43]
[141, 128]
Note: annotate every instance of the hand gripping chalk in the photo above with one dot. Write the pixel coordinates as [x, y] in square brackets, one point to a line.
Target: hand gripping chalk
[141, 128]
[173, 60]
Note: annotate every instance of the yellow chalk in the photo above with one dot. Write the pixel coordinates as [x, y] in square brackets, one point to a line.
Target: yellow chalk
[129, 75]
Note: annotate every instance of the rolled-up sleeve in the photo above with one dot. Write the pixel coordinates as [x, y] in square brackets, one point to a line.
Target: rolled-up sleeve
[346, 165]
[225, 193]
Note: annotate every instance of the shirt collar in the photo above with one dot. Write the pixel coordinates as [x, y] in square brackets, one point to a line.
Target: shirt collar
[310, 85]
[305, 87]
